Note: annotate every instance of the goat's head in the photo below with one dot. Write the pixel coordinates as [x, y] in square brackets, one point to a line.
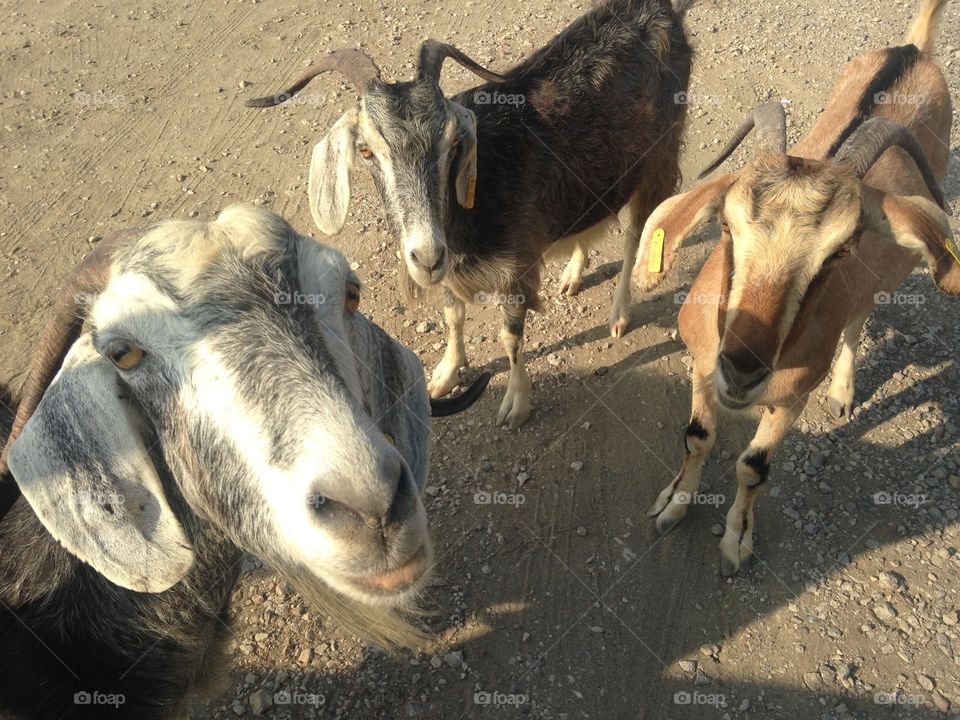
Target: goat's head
[420, 148]
[225, 382]
[786, 222]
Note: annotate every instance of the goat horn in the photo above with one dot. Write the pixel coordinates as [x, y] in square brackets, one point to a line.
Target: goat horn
[452, 406]
[433, 53]
[770, 121]
[62, 330]
[358, 67]
[873, 138]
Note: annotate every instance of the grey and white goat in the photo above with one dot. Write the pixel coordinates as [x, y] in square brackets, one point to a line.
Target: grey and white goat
[476, 188]
[220, 392]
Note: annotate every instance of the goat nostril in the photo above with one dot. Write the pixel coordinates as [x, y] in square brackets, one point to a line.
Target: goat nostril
[742, 375]
[434, 265]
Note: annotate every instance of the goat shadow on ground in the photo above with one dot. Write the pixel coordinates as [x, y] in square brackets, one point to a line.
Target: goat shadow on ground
[615, 609]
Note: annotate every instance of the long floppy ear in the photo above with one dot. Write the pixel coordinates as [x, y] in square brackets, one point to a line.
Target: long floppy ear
[465, 165]
[82, 465]
[671, 223]
[329, 183]
[920, 225]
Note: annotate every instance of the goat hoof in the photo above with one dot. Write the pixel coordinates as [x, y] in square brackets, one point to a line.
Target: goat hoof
[736, 552]
[443, 381]
[570, 287]
[839, 407]
[514, 411]
[618, 328]
[728, 568]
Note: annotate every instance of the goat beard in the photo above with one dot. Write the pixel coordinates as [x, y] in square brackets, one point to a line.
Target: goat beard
[389, 626]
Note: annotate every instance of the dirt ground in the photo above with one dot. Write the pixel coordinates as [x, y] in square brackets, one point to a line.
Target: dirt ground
[564, 604]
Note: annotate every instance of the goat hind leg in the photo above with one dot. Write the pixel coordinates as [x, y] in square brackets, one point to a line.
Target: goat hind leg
[516, 406]
[639, 208]
[447, 374]
[841, 392]
[671, 505]
[753, 468]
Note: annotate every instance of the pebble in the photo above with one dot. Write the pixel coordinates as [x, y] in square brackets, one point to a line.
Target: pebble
[260, 701]
[885, 611]
[454, 659]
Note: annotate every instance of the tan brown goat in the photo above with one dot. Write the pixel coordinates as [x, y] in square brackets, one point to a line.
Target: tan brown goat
[809, 240]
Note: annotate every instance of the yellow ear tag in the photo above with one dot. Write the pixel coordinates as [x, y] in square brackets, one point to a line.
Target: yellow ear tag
[655, 263]
[952, 247]
[471, 191]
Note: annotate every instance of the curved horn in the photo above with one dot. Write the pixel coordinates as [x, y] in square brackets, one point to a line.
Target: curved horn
[432, 55]
[770, 120]
[452, 406]
[873, 138]
[358, 67]
[62, 329]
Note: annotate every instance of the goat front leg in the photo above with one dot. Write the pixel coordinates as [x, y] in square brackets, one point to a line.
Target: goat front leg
[446, 375]
[515, 408]
[572, 277]
[753, 469]
[674, 500]
[841, 392]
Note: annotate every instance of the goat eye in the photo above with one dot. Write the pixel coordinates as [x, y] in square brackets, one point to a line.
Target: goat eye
[366, 152]
[126, 356]
[843, 251]
[353, 297]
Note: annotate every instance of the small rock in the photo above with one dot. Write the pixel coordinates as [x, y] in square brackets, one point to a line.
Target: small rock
[582, 531]
[260, 701]
[688, 666]
[306, 656]
[717, 529]
[576, 465]
[244, 84]
[885, 611]
[454, 659]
